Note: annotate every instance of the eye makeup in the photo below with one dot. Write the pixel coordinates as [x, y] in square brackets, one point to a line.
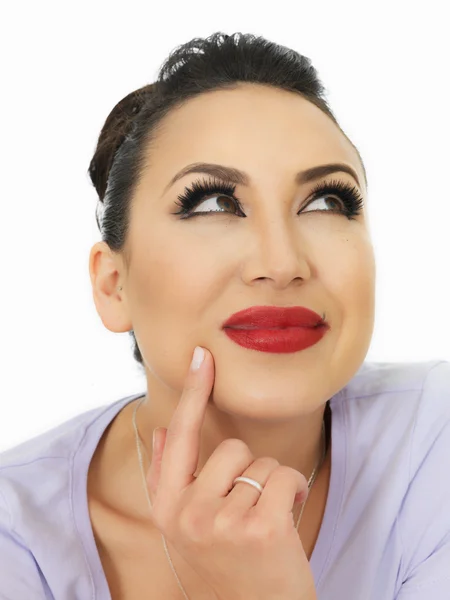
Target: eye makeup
[347, 195]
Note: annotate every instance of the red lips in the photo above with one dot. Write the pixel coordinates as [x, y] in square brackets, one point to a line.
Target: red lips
[270, 317]
[276, 329]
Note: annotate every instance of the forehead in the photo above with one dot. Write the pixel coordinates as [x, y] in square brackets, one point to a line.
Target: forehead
[256, 128]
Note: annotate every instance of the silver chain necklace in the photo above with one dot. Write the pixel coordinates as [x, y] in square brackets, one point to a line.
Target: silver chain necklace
[139, 441]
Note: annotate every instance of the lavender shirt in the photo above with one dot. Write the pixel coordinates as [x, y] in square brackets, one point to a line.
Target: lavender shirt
[385, 534]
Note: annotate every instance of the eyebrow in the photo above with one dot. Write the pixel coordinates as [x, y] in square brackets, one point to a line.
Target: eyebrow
[240, 177]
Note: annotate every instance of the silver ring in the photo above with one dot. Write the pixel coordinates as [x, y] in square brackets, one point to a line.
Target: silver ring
[252, 482]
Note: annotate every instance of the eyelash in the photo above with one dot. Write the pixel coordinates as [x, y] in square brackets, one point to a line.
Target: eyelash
[348, 194]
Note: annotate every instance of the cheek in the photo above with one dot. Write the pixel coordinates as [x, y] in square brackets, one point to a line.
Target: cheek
[348, 273]
[348, 278]
[174, 289]
[177, 278]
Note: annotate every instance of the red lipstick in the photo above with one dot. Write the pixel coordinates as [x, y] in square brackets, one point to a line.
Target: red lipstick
[277, 329]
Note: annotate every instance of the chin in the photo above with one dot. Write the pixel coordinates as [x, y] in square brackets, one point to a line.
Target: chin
[240, 402]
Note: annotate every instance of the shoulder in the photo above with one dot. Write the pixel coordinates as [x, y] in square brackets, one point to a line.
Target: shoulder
[408, 394]
[392, 377]
[34, 473]
[59, 442]
[393, 430]
[424, 515]
[433, 415]
[393, 438]
[42, 483]
[19, 575]
[430, 446]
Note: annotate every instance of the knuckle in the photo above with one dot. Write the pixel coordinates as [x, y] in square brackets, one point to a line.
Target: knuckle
[193, 525]
[225, 523]
[236, 446]
[285, 471]
[284, 475]
[260, 531]
[268, 462]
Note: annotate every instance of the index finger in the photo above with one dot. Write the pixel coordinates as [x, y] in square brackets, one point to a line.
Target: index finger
[181, 451]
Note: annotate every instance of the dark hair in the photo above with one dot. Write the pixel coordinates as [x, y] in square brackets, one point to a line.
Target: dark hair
[217, 62]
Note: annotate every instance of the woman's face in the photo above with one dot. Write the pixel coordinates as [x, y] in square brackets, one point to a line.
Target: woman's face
[188, 275]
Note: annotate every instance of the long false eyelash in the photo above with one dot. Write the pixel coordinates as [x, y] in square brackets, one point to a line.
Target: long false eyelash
[349, 195]
[200, 188]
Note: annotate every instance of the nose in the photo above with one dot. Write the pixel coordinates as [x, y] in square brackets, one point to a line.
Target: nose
[277, 253]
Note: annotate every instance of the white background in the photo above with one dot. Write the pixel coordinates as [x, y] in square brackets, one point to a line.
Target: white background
[65, 65]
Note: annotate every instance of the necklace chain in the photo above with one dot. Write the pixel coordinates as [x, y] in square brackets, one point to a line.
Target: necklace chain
[138, 444]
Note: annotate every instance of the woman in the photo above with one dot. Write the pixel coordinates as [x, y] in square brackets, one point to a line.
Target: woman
[234, 219]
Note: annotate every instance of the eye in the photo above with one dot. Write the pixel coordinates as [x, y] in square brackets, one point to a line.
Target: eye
[345, 199]
[333, 201]
[218, 196]
[225, 203]
[229, 204]
[341, 194]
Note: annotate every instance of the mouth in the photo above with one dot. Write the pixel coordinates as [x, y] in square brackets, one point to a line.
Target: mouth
[274, 317]
[276, 329]
[276, 340]
[251, 327]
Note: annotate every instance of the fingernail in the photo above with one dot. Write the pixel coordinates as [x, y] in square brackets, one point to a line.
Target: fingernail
[154, 439]
[197, 359]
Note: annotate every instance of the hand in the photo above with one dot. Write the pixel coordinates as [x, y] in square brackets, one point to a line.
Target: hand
[241, 542]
